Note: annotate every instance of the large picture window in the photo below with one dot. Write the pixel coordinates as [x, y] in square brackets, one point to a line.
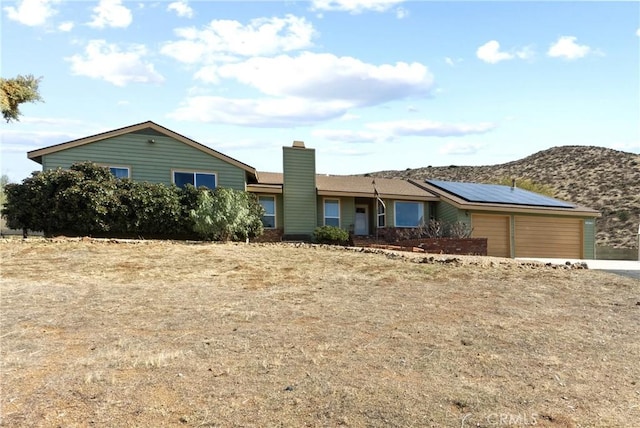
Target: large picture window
[409, 214]
[332, 212]
[269, 205]
[197, 179]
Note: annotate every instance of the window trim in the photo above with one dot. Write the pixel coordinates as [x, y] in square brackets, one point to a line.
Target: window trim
[381, 215]
[194, 172]
[395, 211]
[275, 211]
[324, 211]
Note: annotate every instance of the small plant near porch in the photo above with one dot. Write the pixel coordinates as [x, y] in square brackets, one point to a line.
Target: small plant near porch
[331, 235]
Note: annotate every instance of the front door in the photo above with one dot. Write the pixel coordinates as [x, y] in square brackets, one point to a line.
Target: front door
[362, 220]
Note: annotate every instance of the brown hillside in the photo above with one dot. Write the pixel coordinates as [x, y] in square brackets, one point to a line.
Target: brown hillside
[603, 179]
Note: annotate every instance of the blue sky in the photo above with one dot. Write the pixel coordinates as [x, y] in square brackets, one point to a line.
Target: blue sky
[370, 84]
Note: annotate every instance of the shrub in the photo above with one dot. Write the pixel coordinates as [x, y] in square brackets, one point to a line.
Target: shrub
[331, 235]
[149, 209]
[77, 200]
[442, 229]
[227, 214]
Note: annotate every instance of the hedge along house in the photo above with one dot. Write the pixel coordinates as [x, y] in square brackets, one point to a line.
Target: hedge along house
[516, 222]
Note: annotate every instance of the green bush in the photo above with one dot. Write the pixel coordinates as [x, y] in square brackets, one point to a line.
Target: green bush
[76, 200]
[227, 214]
[149, 209]
[331, 235]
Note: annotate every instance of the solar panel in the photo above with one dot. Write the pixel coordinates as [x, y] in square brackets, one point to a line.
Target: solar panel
[497, 194]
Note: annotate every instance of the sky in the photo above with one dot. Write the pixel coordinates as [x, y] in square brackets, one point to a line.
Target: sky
[370, 84]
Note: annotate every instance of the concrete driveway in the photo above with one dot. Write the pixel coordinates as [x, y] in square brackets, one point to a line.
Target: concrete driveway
[628, 268]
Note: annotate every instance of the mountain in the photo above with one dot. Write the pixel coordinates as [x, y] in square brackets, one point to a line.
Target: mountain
[596, 177]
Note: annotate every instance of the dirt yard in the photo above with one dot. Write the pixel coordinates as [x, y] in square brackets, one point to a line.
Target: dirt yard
[150, 334]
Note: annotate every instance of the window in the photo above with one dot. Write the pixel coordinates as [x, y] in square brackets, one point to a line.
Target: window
[409, 214]
[382, 215]
[197, 179]
[332, 212]
[269, 205]
[119, 171]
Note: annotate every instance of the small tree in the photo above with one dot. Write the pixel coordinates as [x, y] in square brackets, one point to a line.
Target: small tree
[227, 214]
[16, 91]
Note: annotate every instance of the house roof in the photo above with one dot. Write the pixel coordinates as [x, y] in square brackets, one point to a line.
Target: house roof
[494, 197]
[36, 155]
[351, 185]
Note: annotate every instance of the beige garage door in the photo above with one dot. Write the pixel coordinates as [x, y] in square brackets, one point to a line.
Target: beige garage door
[496, 229]
[548, 237]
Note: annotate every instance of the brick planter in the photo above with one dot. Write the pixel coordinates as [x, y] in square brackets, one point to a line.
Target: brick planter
[461, 246]
[269, 235]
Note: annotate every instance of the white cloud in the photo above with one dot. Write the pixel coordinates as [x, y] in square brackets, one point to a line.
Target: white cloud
[31, 12]
[349, 136]
[327, 77]
[107, 62]
[111, 13]
[402, 13]
[452, 62]
[459, 148]
[354, 6]
[66, 26]
[638, 32]
[567, 48]
[428, 128]
[182, 8]
[266, 112]
[490, 52]
[223, 39]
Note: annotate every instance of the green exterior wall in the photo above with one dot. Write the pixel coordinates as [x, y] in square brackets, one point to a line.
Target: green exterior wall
[299, 191]
[451, 214]
[152, 162]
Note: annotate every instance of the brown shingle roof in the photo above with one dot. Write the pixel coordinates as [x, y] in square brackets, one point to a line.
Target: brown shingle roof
[351, 185]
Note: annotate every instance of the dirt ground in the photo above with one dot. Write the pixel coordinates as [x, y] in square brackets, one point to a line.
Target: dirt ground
[98, 333]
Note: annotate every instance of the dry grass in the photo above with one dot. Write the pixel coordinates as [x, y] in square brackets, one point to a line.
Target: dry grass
[98, 333]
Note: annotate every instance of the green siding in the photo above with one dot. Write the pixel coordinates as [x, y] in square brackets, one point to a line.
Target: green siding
[151, 162]
[279, 211]
[348, 213]
[299, 191]
[589, 238]
[450, 214]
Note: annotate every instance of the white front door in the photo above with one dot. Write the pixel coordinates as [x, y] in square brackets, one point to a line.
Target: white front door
[362, 220]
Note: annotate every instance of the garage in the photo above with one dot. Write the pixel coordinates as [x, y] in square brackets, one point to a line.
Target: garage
[517, 222]
[555, 237]
[497, 231]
